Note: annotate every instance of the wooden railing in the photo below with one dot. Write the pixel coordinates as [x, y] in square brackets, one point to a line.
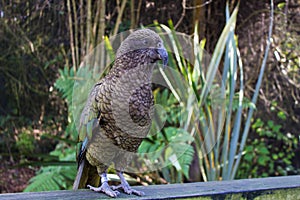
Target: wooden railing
[287, 187]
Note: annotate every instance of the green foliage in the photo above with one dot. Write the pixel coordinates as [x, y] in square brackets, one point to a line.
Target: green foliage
[201, 97]
[202, 100]
[211, 107]
[270, 153]
[48, 178]
[171, 147]
[55, 177]
[25, 142]
[65, 83]
[171, 106]
[286, 70]
[246, 103]
[29, 56]
[62, 174]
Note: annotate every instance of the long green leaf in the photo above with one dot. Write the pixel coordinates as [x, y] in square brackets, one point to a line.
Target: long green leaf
[256, 92]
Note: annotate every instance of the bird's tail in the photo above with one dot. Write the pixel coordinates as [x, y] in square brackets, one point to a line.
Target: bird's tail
[86, 174]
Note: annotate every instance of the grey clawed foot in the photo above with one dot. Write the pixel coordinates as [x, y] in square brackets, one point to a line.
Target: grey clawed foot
[128, 190]
[105, 188]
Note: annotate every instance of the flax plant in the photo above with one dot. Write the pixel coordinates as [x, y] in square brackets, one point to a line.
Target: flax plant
[212, 102]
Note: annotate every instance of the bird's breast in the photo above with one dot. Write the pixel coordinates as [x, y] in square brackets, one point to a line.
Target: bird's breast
[126, 105]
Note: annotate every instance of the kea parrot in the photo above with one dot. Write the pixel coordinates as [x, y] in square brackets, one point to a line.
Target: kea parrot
[117, 114]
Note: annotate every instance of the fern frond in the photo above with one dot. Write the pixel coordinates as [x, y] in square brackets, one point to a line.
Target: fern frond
[52, 178]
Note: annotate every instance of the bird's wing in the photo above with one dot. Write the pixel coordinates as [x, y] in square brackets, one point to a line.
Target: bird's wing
[89, 120]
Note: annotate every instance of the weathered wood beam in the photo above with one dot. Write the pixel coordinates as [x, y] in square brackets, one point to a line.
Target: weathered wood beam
[287, 187]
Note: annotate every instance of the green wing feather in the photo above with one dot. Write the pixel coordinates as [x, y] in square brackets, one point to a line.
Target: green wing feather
[89, 120]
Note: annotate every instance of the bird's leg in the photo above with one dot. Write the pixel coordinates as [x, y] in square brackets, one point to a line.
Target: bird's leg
[105, 188]
[126, 187]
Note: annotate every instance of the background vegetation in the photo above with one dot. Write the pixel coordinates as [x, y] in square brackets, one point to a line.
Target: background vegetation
[44, 42]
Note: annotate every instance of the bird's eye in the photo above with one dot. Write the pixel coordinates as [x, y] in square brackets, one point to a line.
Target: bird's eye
[145, 42]
[159, 45]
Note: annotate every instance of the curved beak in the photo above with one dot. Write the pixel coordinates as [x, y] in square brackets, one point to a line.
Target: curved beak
[163, 55]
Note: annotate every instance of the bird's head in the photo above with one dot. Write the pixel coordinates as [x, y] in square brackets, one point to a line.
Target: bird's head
[145, 39]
